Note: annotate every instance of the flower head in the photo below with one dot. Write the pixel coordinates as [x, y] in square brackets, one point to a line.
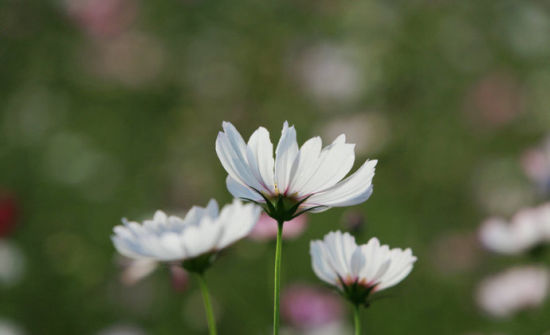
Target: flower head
[308, 178]
[194, 239]
[359, 270]
[514, 290]
[529, 228]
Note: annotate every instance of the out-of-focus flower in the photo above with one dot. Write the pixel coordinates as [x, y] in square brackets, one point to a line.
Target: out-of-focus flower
[329, 73]
[137, 269]
[354, 221]
[8, 214]
[306, 307]
[527, 28]
[122, 329]
[360, 270]
[8, 327]
[529, 228]
[495, 100]
[133, 59]
[307, 178]
[179, 278]
[266, 228]
[513, 290]
[370, 131]
[536, 164]
[102, 18]
[12, 263]
[500, 189]
[455, 252]
[203, 232]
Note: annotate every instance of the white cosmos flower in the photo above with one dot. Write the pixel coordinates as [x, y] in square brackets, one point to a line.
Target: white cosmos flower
[527, 229]
[358, 270]
[513, 290]
[309, 173]
[201, 231]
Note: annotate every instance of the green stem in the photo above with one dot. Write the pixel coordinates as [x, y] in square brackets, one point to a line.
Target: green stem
[356, 319]
[278, 254]
[207, 305]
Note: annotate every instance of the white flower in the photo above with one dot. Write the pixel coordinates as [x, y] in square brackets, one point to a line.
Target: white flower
[309, 176]
[201, 231]
[358, 270]
[514, 290]
[529, 228]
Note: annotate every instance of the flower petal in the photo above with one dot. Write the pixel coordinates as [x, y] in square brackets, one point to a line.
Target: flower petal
[287, 150]
[260, 158]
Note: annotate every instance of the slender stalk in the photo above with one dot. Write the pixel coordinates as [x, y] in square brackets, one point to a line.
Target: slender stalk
[207, 305]
[278, 256]
[356, 319]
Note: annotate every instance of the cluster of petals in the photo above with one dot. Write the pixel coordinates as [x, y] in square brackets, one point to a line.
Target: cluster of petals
[527, 229]
[339, 261]
[310, 172]
[201, 231]
[514, 290]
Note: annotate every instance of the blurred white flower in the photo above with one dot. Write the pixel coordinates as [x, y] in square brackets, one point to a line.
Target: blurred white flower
[202, 231]
[513, 290]
[8, 327]
[307, 178]
[358, 270]
[370, 131]
[528, 228]
[122, 329]
[137, 269]
[329, 73]
[12, 263]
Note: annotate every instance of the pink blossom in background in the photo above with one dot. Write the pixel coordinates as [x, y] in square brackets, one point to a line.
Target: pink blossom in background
[179, 278]
[133, 59]
[514, 290]
[102, 18]
[528, 228]
[495, 100]
[8, 214]
[536, 165]
[308, 307]
[134, 270]
[266, 228]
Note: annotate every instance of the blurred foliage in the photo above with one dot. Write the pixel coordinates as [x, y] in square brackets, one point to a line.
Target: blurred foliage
[114, 115]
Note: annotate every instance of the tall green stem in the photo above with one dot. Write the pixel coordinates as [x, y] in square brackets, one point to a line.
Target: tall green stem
[278, 255]
[207, 305]
[356, 319]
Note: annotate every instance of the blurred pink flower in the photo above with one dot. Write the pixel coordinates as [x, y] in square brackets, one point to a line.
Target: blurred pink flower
[513, 290]
[455, 252]
[8, 214]
[536, 165]
[266, 228]
[495, 100]
[307, 307]
[102, 18]
[180, 278]
[527, 229]
[133, 59]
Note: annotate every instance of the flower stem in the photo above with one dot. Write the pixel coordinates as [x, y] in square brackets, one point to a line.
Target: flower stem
[356, 319]
[278, 256]
[207, 305]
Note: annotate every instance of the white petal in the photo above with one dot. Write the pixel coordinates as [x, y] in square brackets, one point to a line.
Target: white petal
[287, 150]
[231, 151]
[237, 220]
[260, 158]
[241, 192]
[353, 190]
[333, 164]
